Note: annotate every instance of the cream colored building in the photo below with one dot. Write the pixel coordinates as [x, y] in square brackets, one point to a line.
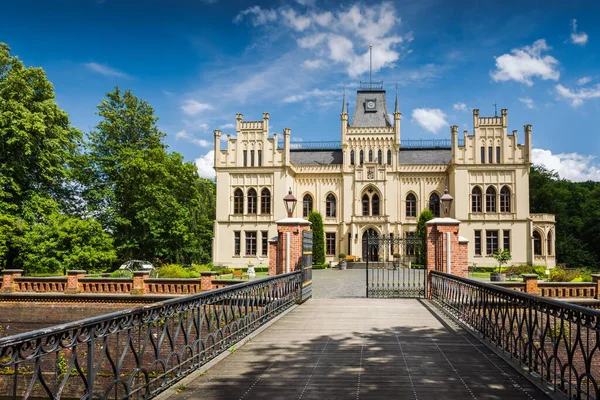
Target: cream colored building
[372, 181]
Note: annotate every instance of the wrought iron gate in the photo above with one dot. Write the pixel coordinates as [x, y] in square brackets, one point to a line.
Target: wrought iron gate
[396, 267]
[307, 243]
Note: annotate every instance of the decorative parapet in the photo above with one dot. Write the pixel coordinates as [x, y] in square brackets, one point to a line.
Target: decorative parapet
[367, 219]
[556, 290]
[541, 217]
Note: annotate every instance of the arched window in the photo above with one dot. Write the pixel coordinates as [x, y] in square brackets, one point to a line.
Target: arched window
[330, 206]
[370, 155]
[379, 157]
[265, 201]
[252, 206]
[365, 204]
[549, 245]
[238, 201]
[375, 205]
[490, 199]
[389, 157]
[307, 205]
[505, 199]
[537, 243]
[476, 199]
[411, 205]
[352, 157]
[362, 157]
[434, 204]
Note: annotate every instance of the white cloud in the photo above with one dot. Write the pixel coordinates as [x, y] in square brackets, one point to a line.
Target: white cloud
[432, 119]
[579, 95]
[584, 80]
[184, 135]
[572, 166]
[529, 103]
[321, 94]
[105, 70]
[258, 16]
[314, 64]
[193, 107]
[205, 165]
[526, 63]
[298, 22]
[227, 126]
[306, 3]
[460, 107]
[580, 38]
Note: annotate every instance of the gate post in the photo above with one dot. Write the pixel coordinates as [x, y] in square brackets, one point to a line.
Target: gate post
[293, 226]
[442, 234]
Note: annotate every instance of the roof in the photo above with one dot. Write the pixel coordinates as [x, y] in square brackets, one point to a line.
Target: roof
[316, 157]
[362, 118]
[425, 156]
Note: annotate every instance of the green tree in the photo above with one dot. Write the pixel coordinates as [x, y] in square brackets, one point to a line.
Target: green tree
[502, 256]
[62, 242]
[37, 147]
[318, 251]
[425, 216]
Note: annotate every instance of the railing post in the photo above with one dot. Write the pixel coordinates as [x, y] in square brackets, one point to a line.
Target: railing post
[531, 283]
[595, 278]
[139, 286]
[73, 285]
[8, 280]
[206, 280]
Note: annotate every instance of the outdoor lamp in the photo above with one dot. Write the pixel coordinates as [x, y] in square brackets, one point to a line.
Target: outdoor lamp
[447, 202]
[290, 203]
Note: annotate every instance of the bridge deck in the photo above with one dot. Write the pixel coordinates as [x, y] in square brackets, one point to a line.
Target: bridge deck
[361, 349]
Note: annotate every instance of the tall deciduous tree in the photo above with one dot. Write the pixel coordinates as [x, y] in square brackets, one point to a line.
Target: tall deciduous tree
[318, 250]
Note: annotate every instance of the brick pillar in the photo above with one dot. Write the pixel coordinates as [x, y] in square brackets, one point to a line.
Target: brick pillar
[8, 279]
[531, 283]
[293, 226]
[206, 280]
[273, 256]
[437, 230]
[73, 285]
[595, 278]
[139, 286]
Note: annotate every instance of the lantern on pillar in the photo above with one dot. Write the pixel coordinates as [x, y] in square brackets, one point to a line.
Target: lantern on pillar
[290, 203]
[447, 202]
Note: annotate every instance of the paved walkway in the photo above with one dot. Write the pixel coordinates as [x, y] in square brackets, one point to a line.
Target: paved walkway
[333, 283]
[361, 349]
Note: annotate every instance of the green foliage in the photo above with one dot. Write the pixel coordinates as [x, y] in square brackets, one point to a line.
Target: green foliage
[320, 266]
[342, 256]
[502, 256]
[202, 267]
[177, 271]
[569, 275]
[121, 274]
[426, 215]
[318, 251]
[220, 270]
[61, 242]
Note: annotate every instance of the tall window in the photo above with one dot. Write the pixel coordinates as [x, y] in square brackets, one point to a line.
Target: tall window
[362, 157]
[379, 157]
[476, 199]
[490, 199]
[307, 205]
[260, 158]
[252, 158]
[505, 199]
[375, 205]
[370, 155]
[236, 245]
[491, 241]
[434, 204]
[238, 201]
[478, 243]
[252, 202]
[411, 205]
[365, 205]
[330, 243]
[330, 206]
[549, 244]
[490, 154]
[265, 201]
[537, 243]
[506, 239]
[250, 243]
[265, 243]
[352, 157]
[483, 155]
[498, 154]
[245, 158]
[389, 157]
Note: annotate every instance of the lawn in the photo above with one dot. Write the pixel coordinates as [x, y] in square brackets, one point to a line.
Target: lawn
[230, 276]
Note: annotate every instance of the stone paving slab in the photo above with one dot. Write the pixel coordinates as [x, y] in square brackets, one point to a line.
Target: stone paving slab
[375, 349]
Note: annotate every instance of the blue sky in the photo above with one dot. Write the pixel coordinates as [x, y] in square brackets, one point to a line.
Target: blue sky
[201, 62]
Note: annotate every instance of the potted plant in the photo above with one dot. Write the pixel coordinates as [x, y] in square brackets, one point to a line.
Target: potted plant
[502, 256]
[396, 260]
[342, 258]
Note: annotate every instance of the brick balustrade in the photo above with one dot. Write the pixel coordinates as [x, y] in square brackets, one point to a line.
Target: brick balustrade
[566, 290]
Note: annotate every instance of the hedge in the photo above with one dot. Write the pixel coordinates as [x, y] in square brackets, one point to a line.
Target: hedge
[320, 266]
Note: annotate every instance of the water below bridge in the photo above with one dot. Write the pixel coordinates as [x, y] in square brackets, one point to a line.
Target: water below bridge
[358, 348]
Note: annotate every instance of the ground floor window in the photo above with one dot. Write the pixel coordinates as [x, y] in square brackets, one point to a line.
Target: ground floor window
[265, 243]
[236, 246]
[491, 241]
[506, 240]
[478, 243]
[250, 243]
[330, 243]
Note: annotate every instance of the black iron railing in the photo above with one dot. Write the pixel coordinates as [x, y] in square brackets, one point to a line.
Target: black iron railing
[557, 341]
[140, 352]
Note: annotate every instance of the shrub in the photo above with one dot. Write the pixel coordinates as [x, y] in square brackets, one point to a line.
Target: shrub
[318, 250]
[220, 270]
[342, 256]
[569, 275]
[202, 267]
[261, 269]
[177, 271]
[320, 266]
[121, 274]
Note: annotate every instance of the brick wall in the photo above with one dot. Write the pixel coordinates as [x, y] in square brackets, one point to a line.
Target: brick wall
[436, 249]
[295, 231]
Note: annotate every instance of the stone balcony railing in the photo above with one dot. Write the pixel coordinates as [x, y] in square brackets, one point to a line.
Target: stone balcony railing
[540, 217]
[365, 219]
